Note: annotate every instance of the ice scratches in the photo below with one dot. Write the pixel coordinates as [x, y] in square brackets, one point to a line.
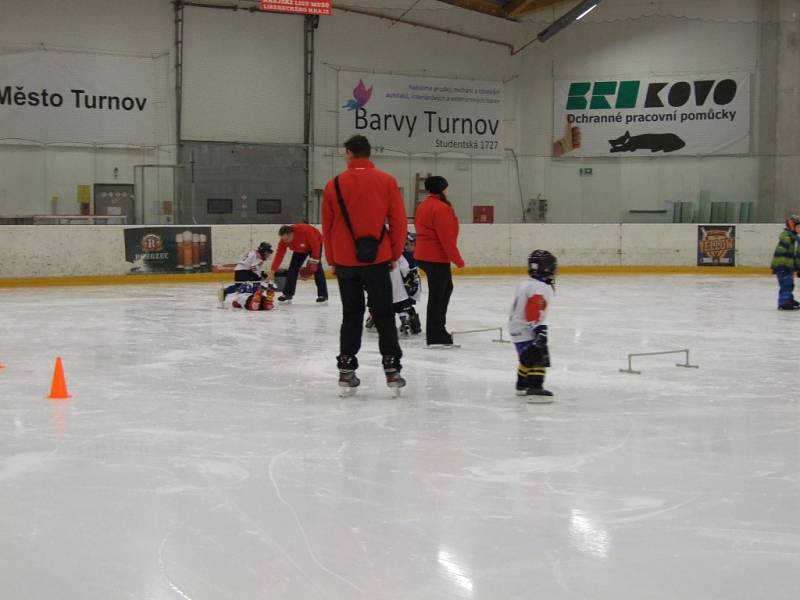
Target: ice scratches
[229, 504]
[23, 463]
[651, 514]
[162, 567]
[756, 541]
[273, 461]
[504, 414]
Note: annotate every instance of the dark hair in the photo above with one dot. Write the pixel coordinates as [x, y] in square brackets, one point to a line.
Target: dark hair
[285, 230]
[359, 146]
[436, 185]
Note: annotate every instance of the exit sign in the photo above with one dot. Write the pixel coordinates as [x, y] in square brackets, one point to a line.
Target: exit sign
[298, 7]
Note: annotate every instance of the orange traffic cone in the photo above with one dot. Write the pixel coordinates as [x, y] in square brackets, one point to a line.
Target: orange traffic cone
[58, 389]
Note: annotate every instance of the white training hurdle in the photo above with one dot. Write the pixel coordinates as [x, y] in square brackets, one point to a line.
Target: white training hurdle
[685, 365]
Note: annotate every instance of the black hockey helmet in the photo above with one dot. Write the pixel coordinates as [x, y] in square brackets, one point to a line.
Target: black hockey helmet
[264, 249]
[542, 265]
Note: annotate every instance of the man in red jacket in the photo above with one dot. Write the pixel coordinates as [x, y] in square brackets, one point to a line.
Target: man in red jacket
[305, 242]
[372, 201]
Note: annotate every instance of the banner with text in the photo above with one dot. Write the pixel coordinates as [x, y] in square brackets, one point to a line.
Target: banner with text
[654, 116]
[298, 7]
[422, 114]
[84, 98]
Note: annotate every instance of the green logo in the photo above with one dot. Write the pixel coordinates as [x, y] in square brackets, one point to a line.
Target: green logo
[617, 95]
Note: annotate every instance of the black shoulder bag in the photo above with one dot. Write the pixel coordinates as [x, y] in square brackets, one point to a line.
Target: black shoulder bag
[366, 247]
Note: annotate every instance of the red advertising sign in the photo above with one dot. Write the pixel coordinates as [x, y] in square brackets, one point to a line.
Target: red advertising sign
[298, 7]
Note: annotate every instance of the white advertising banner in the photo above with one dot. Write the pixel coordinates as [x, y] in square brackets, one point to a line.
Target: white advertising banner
[86, 98]
[654, 116]
[422, 114]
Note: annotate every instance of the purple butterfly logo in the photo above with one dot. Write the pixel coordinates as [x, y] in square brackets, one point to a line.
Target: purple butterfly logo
[361, 96]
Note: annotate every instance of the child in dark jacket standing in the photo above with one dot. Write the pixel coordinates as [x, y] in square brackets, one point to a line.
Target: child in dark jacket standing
[786, 262]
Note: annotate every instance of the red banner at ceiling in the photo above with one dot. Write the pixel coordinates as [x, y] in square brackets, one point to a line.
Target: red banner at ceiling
[298, 7]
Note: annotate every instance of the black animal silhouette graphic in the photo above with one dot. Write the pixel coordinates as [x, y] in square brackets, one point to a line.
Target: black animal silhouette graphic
[655, 142]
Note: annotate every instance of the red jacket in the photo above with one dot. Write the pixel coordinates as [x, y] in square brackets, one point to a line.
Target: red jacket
[436, 225]
[306, 240]
[372, 199]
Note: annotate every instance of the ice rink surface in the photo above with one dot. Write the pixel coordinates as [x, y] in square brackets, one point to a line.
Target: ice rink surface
[205, 454]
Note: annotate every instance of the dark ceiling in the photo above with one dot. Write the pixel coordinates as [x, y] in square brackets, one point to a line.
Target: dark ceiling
[513, 10]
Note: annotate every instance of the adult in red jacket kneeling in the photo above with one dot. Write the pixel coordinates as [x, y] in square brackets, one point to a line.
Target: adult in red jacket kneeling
[305, 242]
[436, 225]
[357, 206]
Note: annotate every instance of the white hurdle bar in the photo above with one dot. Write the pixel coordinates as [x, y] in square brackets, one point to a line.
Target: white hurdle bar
[500, 340]
[685, 365]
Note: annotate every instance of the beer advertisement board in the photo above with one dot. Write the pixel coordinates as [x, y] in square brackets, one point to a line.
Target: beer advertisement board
[168, 249]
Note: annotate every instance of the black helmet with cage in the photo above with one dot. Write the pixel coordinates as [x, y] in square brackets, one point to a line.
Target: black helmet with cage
[542, 266]
[264, 249]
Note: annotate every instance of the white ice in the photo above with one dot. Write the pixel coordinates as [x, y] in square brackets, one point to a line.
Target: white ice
[205, 454]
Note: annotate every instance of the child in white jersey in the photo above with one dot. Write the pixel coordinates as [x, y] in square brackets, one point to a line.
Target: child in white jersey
[247, 270]
[527, 325]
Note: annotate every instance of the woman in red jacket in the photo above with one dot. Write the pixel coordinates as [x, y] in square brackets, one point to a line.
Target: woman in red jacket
[436, 226]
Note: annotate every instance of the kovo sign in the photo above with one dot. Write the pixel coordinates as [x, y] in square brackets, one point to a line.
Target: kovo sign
[619, 95]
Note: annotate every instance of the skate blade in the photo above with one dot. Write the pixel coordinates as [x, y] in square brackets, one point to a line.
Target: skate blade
[347, 392]
[539, 400]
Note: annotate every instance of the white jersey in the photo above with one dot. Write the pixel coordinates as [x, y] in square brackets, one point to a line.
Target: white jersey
[531, 301]
[252, 261]
[399, 293]
[406, 270]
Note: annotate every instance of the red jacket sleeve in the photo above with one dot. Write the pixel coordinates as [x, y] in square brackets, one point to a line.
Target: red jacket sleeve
[276, 262]
[327, 222]
[446, 226]
[398, 223]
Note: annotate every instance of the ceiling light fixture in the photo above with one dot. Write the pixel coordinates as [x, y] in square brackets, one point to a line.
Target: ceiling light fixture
[576, 14]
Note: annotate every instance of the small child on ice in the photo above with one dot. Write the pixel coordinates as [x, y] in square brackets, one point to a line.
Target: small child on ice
[785, 263]
[406, 291]
[527, 325]
[247, 269]
[254, 296]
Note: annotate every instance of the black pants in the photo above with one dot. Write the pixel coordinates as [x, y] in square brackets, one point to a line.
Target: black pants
[246, 275]
[294, 270]
[440, 288]
[352, 283]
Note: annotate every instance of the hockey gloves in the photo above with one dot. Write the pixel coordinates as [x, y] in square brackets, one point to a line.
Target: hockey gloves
[310, 269]
[540, 337]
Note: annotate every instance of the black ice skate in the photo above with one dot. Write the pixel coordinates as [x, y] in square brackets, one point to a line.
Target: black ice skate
[405, 326]
[416, 327]
[348, 382]
[391, 368]
[322, 299]
[283, 299]
[444, 344]
[539, 396]
[790, 306]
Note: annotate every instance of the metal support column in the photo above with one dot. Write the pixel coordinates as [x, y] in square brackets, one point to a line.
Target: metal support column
[177, 205]
[311, 24]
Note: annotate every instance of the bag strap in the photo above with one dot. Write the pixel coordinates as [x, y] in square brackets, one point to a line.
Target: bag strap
[345, 214]
[343, 208]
